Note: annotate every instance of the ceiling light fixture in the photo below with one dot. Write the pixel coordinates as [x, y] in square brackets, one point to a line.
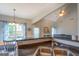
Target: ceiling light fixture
[62, 12]
[15, 32]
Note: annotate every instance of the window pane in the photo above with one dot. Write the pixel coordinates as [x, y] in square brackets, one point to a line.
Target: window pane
[11, 31]
[53, 31]
[36, 32]
[20, 31]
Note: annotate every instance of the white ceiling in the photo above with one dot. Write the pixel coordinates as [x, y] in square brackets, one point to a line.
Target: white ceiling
[53, 16]
[28, 10]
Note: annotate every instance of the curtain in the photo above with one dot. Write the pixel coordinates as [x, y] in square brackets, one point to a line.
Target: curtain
[2, 30]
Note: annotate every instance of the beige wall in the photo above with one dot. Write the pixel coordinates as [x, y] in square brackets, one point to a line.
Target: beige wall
[11, 19]
[65, 25]
[44, 23]
[68, 23]
[78, 21]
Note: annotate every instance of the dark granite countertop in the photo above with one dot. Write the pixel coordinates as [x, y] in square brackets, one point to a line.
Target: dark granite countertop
[68, 43]
[30, 39]
[41, 38]
[68, 40]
